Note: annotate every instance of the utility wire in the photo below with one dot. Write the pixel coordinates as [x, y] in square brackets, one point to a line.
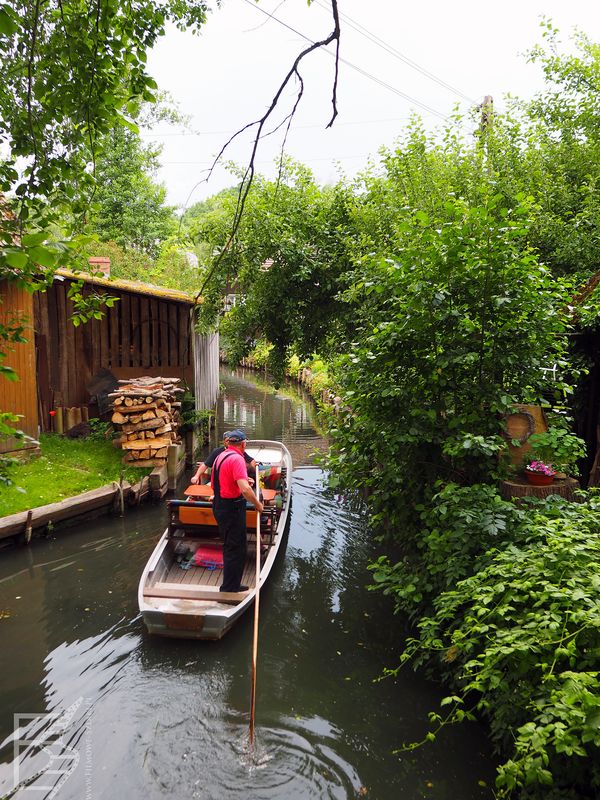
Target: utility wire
[266, 160]
[397, 54]
[353, 66]
[296, 127]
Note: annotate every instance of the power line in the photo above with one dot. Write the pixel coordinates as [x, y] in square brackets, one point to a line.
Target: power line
[360, 70]
[296, 127]
[372, 37]
[264, 160]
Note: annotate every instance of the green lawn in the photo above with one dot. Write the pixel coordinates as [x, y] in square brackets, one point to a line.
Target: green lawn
[66, 467]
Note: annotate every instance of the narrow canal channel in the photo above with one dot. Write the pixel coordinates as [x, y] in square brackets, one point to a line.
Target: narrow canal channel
[125, 715]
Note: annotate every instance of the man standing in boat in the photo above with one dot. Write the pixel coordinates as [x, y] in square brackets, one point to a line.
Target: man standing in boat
[210, 460]
[229, 480]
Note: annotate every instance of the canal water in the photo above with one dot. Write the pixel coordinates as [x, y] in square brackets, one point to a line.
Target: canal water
[92, 707]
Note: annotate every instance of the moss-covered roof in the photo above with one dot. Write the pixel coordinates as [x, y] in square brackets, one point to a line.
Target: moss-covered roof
[138, 287]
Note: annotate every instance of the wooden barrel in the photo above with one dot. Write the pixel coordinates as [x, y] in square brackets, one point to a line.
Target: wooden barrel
[523, 423]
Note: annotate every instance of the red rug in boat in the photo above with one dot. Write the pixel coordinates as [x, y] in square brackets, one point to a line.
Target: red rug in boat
[209, 556]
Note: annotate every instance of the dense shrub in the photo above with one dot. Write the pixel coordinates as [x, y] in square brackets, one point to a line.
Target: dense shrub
[519, 642]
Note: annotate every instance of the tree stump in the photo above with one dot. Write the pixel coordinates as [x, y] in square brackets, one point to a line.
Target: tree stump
[520, 487]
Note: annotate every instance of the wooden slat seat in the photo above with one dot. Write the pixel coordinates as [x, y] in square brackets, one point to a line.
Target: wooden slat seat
[186, 591]
[199, 490]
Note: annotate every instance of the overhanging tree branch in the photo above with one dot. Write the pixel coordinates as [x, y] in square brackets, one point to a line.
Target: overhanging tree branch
[260, 124]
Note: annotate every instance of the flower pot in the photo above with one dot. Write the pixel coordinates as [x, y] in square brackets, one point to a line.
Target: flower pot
[539, 479]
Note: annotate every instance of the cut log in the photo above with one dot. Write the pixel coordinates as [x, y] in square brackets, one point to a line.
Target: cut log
[145, 425]
[150, 435]
[149, 415]
[145, 462]
[118, 418]
[140, 445]
[133, 409]
[144, 453]
[148, 399]
[128, 402]
[162, 453]
[148, 379]
[163, 429]
[518, 488]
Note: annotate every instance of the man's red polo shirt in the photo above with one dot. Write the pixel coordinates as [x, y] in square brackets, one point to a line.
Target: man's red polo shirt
[233, 470]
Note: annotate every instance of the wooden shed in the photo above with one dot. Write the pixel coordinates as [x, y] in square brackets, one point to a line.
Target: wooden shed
[148, 331]
[19, 397]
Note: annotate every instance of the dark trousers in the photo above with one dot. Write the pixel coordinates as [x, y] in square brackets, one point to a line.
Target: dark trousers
[231, 519]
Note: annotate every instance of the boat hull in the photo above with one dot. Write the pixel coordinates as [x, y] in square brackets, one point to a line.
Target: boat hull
[201, 611]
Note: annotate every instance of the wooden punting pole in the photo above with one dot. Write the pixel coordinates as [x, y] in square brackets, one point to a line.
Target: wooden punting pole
[256, 615]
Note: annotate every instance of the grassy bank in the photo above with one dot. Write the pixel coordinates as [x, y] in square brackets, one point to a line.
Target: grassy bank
[66, 468]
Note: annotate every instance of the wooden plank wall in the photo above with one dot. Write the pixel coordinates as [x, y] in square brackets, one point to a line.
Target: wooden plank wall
[19, 397]
[206, 370]
[139, 335]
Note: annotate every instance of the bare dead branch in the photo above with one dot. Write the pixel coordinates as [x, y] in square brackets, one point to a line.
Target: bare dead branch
[248, 177]
[289, 118]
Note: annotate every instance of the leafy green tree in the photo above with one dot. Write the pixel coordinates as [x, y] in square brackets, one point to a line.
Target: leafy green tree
[127, 264]
[73, 71]
[129, 206]
[453, 326]
[286, 265]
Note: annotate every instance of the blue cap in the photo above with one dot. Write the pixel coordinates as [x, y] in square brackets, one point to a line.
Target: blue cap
[237, 436]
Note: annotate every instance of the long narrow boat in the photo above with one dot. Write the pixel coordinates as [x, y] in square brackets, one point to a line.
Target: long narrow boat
[178, 593]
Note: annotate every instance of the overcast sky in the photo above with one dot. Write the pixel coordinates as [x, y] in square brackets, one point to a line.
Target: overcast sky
[226, 77]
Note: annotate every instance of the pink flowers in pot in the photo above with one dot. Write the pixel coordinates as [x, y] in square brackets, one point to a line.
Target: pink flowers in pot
[540, 468]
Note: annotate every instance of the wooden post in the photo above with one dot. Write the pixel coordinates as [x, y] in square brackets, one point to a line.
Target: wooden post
[76, 414]
[487, 115]
[85, 413]
[256, 613]
[69, 419]
[174, 464]
[28, 527]
[59, 420]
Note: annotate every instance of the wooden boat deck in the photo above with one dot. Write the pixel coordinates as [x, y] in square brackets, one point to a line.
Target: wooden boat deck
[201, 576]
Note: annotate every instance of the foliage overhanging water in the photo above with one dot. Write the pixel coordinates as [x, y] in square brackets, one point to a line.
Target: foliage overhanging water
[145, 718]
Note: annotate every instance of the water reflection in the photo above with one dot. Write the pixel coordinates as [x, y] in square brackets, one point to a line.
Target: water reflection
[285, 414]
[151, 718]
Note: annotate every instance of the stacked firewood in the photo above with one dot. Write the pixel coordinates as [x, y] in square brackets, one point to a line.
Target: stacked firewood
[146, 416]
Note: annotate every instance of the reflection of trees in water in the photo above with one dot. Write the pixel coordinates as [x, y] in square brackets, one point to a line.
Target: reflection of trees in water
[284, 414]
[312, 606]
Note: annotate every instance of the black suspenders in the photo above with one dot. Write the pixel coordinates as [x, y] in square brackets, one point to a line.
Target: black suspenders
[217, 485]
